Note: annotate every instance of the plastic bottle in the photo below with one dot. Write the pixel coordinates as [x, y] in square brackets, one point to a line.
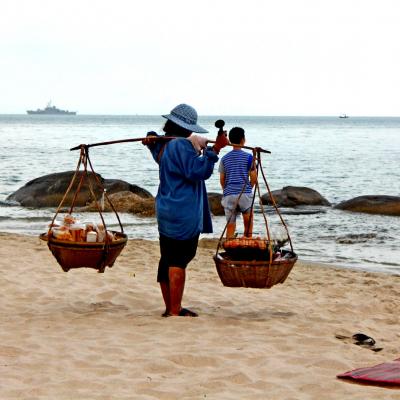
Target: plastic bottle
[91, 237]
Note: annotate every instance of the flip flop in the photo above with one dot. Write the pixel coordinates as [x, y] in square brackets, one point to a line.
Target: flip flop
[362, 339]
[166, 314]
[185, 312]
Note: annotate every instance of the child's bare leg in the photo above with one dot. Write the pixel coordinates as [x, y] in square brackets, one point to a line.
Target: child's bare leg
[248, 224]
[230, 230]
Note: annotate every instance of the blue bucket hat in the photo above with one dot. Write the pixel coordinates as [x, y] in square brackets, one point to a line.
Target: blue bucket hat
[186, 117]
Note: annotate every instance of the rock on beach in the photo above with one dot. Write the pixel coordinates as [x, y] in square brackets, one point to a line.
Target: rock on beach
[292, 196]
[214, 201]
[48, 190]
[372, 204]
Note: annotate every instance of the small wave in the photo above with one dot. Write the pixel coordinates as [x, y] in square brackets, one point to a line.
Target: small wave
[342, 258]
[385, 263]
[384, 238]
[9, 203]
[290, 211]
[14, 179]
[390, 264]
[135, 225]
[302, 211]
[24, 218]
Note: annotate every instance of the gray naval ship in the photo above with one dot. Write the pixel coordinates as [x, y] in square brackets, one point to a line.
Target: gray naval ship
[51, 110]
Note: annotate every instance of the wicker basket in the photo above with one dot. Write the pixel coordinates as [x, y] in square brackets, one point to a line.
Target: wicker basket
[254, 274]
[242, 249]
[86, 255]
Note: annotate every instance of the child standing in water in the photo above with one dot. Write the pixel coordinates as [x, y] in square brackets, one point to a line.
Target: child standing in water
[236, 172]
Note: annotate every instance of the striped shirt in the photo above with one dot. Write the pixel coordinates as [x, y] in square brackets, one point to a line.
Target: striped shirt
[236, 167]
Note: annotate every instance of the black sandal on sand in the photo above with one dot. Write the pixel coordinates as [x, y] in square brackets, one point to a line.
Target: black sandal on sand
[362, 340]
[185, 312]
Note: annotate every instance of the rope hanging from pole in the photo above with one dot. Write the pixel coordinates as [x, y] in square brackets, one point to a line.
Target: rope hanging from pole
[82, 254]
[257, 164]
[255, 266]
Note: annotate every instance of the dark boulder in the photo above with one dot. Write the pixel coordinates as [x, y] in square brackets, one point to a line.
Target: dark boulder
[48, 190]
[214, 201]
[379, 204]
[292, 196]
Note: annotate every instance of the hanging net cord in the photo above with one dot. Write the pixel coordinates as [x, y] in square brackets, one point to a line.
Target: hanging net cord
[257, 164]
[84, 160]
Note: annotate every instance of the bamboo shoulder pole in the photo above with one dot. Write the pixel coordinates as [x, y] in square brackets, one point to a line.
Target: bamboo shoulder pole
[156, 138]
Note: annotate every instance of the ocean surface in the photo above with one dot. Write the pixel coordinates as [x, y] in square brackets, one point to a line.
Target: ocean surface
[340, 158]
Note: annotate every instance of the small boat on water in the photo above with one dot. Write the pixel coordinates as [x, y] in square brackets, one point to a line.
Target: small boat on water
[343, 116]
[51, 110]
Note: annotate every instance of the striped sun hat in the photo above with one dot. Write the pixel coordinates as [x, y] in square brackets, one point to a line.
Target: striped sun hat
[186, 117]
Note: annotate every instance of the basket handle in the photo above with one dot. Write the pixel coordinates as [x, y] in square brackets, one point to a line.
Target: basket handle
[105, 194]
[84, 159]
[66, 192]
[276, 207]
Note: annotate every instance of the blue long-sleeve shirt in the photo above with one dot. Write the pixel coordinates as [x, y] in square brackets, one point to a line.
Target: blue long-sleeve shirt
[181, 202]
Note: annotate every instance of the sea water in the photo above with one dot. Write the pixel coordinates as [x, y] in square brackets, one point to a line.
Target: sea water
[340, 158]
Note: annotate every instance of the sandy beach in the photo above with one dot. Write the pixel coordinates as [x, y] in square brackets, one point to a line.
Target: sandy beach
[84, 335]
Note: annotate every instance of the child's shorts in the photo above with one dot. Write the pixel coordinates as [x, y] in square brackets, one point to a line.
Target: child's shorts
[243, 206]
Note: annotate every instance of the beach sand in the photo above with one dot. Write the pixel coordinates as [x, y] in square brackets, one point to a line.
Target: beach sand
[84, 335]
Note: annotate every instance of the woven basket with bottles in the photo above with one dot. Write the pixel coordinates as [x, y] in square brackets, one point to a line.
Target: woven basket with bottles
[84, 245]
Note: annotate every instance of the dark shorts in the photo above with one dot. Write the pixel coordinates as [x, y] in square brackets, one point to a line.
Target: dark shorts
[177, 253]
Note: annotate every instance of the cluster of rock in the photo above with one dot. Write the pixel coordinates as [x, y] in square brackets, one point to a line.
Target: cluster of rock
[48, 191]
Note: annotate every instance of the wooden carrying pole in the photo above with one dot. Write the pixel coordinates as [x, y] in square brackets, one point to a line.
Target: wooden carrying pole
[158, 138]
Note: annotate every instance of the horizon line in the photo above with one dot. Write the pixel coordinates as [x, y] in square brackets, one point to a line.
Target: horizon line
[210, 115]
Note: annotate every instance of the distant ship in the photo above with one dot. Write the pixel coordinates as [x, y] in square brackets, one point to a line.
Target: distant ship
[343, 116]
[51, 110]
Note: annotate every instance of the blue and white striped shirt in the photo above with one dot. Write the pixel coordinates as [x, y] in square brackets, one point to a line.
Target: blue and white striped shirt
[236, 167]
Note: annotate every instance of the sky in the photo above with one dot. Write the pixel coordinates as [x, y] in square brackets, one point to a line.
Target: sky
[224, 57]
